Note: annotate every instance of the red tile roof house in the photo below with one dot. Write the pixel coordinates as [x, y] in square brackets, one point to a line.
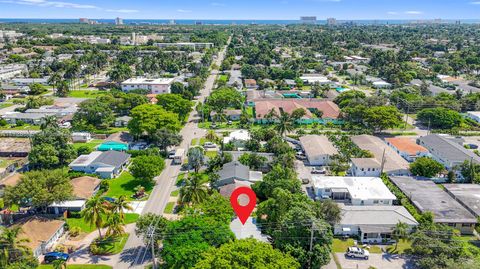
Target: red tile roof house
[407, 148]
[330, 112]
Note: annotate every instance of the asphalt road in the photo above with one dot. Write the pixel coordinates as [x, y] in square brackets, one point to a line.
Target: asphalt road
[135, 254]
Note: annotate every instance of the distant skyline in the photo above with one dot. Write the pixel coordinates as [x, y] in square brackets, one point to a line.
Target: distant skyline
[242, 9]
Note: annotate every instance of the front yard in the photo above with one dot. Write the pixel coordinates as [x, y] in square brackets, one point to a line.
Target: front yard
[91, 144]
[126, 184]
[109, 245]
[341, 246]
[86, 228]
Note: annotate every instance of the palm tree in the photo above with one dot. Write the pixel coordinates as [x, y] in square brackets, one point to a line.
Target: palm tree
[11, 246]
[211, 136]
[62, 88]
[119, 206]
[284, 124]
[49, 121]
[196, 158]
[54, 79]
[193, 191]
[114, 225]
[94, 212]
[399, 232]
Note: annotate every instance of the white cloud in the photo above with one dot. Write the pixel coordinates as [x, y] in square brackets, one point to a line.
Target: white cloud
[392, 13]
[45, 3]
[123, 10]
[413, 12]
[184, 10]
[475, 3]
[216, 4]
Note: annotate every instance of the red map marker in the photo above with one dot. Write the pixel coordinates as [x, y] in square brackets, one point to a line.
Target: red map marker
[243, 211]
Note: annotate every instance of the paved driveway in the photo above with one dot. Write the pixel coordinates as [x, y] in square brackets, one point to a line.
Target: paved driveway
[380, 261]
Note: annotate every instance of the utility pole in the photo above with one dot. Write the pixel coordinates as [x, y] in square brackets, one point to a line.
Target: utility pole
[311, 246]
[151, 235]
[383, 161]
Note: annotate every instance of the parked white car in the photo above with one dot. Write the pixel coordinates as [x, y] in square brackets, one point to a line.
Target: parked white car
[356, 252]
[209, 145]
[319, 170]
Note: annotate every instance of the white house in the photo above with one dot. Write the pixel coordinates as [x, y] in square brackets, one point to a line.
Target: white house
[315, 78]
[373, 224]
[107, 164]
[238, 137]
[353, 190]
[365, 167]
[42, 233]
[155, 86]
[81, 137]
[318, 149]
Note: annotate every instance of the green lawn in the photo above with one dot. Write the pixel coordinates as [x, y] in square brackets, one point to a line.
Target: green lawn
[77, 266]
[23, 127]
[174, 193]
[403, 246]
[169, 208]
[194, 142]
[180, 179]
[111, 130]
[86, 228]
[125, 184]
[341, 246]
[92, 144]
[85, 93]
[220, 125]
[4, 162]
[111, 245]
[4, 105]
[211, 154]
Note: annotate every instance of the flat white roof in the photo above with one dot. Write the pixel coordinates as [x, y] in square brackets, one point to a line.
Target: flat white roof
[85, 160]
[242, 135]
[474, 113]
[149, 81]
[74, 203]
[359, 187]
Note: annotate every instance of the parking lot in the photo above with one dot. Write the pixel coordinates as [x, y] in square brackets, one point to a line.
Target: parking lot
[383, 261]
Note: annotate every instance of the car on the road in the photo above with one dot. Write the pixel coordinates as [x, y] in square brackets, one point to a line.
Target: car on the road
[229, 122]
[109, 199]
[171, 154]
[54, 256]
[305, 180]
[319, 170]
[359, 253]
[209, 145]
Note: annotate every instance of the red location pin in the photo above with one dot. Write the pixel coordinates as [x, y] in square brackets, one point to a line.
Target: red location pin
[243, 211]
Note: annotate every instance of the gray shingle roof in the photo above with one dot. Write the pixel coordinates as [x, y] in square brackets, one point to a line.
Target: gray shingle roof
[447, 147]
[231, 171]
[376, 215]
[113, 158]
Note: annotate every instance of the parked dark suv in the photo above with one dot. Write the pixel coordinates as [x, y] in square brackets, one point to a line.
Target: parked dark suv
[53, 256]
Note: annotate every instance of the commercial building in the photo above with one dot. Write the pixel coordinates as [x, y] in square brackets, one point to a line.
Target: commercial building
[118, 21]
[391, 162]
[426, 196]
[353, 190]
[11, 70]
[447, 150]
[154, 86]
[365, 167]
[407, 148]
[467, 195]
[318, 149]
[373, 224]
[308, 19]
[106, 164]
[195, 46]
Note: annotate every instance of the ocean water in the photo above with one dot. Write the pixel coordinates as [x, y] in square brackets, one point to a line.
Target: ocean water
[220, 22]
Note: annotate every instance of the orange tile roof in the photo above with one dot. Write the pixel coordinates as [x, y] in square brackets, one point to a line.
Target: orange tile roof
[330, 110]
[406, 145]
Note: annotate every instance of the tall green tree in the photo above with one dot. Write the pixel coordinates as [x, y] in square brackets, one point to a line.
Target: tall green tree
[147, 119]
[40, 189]
[400, 231]
[176, 104]
[426, 167]
[196, 158]
[95, 213]
[147, 167]
[194, 191]
[246, 253]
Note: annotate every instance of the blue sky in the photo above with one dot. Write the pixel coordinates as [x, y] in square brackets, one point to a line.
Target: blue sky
[241, 9]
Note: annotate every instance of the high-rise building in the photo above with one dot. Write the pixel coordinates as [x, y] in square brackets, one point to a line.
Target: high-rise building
[308, 19]
[84, 20]
[331, 21]
[118, 21]
[134, 38]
